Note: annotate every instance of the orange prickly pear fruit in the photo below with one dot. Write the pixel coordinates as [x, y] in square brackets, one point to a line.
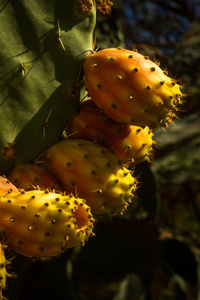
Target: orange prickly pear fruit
[6, 186]
[92, 171]
[29, 176]
[130, 88]
[129, 143]
[41, 223]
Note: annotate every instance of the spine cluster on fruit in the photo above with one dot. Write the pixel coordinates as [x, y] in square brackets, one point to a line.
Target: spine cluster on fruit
[4, 263]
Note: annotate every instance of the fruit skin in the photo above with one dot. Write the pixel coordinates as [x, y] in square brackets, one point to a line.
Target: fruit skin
[130, 88]
[41, 223]
[93, 172]
[3, 272]
[29, 176]
[129, 143]
[6, 186]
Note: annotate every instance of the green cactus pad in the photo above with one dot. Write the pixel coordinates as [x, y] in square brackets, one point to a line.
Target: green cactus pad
[43, 47]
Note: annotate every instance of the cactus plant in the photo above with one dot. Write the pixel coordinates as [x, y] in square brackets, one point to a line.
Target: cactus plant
[40, 81]
[40, 73]
[47, 55]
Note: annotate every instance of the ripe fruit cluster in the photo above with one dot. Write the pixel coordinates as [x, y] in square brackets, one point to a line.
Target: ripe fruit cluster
[46, 209]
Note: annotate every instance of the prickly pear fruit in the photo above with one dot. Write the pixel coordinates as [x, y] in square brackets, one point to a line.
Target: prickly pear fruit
[92, 171]
[129, 143]
[6, 186]
[3, 271]
[130, 88]
[29, 176]
[41, 223]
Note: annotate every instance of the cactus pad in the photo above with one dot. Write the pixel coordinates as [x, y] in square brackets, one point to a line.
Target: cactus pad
[40, 68]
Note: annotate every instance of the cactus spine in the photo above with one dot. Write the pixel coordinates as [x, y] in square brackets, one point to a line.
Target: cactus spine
[3, 270]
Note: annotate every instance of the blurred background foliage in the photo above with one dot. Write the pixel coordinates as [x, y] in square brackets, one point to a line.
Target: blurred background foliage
[152, 251]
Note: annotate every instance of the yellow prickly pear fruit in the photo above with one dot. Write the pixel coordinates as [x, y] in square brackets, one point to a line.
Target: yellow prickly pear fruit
[130, 88]
[41, 223]
[129, 143]
[94, 172]
[29, 176]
